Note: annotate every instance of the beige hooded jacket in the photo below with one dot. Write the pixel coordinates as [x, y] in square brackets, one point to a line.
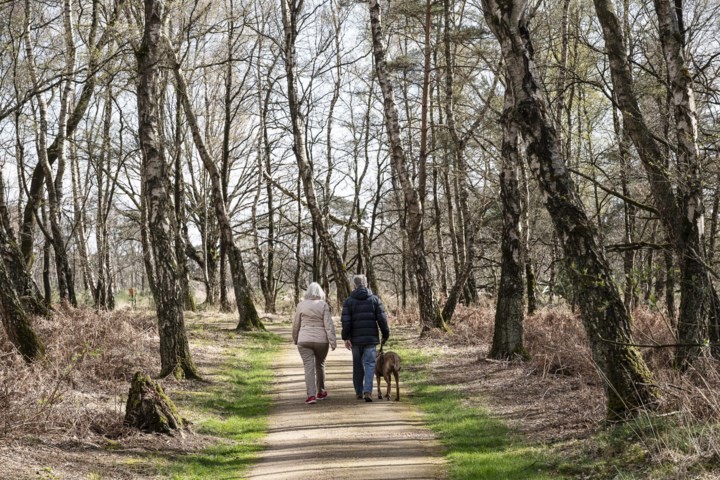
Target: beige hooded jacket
[313, 323]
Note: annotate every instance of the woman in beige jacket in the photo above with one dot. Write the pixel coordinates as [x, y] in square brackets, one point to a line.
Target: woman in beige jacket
[314, 333]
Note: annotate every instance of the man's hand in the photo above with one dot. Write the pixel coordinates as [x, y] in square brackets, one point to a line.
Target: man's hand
[348, 344]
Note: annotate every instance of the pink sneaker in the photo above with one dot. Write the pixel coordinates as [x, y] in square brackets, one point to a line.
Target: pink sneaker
[322, 395]
[310, 400]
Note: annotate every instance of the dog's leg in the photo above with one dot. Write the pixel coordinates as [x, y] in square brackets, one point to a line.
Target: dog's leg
[377, 375]
[388, 382]
[397, 386]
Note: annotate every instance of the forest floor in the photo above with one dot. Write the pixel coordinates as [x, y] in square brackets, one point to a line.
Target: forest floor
[67, 423]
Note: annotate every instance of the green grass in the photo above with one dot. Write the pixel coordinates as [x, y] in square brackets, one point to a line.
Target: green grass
[479, 446]
[476, 445]
[234, 409]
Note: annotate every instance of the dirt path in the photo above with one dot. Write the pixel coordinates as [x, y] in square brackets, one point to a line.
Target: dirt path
[341, 437]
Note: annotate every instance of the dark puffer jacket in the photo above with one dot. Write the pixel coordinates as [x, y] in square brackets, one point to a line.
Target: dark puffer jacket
[362, 315]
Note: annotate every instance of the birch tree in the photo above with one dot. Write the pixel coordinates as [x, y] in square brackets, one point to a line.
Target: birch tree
[681, 215]
[509, 315]
[626, 379]
[430, 314]
[248, 316]
[291, 10]
[175, 357]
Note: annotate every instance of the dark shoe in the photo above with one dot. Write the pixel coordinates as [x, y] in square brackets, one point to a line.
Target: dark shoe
[367, 397]
[310, 400]
[358, 396]
[321, 395]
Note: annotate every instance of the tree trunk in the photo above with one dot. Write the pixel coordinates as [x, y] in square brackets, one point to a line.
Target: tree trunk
[714, 221]
[47, 285]
[225, 159]
[530, 280]
[265, 264]
[54, 186]
[175, 355]
[298, 243]
[270, 303]
[248, 316]
[430, 315]
[5, 222]
[437, 212]
[18, 292]
[627, 380]
[682, 217]
[290, 14]
[629, 211]
[562, 75]
[698, 309]
[17, 326]
[181, 233]
[147, 252]
[510, 313]
[101, 230]
[148, 408]
[669, 265]
[264, 287]
[210, 259]
[439, 236]
[225, 305]
[80, 222]
[466, 236]
[35, 194]
[20, 279]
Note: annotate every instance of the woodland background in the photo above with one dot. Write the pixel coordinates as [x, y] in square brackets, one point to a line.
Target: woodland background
[222, 155]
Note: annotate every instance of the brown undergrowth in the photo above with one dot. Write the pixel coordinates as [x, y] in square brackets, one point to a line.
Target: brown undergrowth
[557, 397]
[62, 417]
[70, 406]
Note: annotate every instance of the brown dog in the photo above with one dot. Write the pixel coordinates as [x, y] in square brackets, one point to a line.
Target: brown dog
[388, 363]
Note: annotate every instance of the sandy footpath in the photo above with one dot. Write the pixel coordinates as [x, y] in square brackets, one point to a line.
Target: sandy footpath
[341, 437]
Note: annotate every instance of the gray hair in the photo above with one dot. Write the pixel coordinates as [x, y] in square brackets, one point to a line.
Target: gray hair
[360, 281]
[314, 291]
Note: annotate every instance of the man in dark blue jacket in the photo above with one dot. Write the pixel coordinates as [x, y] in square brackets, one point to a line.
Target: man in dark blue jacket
[362, 315]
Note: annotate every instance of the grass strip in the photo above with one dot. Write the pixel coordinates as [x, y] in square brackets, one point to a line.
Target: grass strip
[234, 409]
[476, 445]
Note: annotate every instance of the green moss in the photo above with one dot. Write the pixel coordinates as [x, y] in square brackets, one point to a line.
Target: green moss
[112, 445]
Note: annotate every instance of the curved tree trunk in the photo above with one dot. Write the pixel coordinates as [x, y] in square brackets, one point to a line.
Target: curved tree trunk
[248, 316]
[54, 186]
[35, 194]
[20, 280]
[175, 355]
[466, 235]
[509, 315]
[699, 310]
[430, 315]
[682, 217]
[17, 326]
[627, 380]
[290, 14]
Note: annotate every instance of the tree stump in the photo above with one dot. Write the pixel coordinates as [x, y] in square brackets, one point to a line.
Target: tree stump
[149, 409]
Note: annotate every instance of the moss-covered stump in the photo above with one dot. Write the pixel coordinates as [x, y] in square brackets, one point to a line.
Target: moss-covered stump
[149, 409]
